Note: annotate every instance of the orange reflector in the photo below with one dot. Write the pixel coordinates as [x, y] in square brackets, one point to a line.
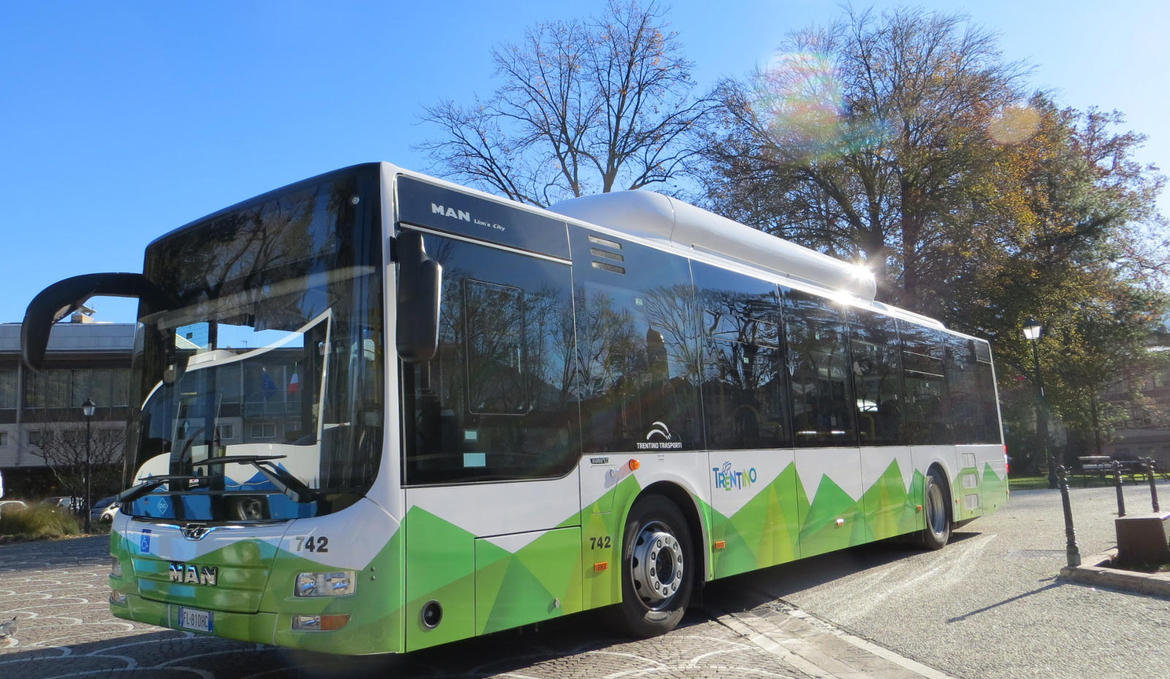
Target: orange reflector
[720, 544]
[332, 622]
[634, 465]
[600, 566]
[319, 623]
[917, 508]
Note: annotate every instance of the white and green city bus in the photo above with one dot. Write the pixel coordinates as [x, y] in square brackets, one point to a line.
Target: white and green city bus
[380, 412]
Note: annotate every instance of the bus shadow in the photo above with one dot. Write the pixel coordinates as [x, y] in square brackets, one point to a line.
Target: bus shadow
[750, 590]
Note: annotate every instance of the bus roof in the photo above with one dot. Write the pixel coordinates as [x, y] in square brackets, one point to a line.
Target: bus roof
[658, 217]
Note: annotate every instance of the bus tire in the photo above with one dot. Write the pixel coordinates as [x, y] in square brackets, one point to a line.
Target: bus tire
[658, 568]
[936, 509]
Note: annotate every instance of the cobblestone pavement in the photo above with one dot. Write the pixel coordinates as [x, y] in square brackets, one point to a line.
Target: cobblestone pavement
[57, 591]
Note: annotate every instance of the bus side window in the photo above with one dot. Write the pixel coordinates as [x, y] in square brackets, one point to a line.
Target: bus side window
[743, 385]
[818, 371]
[637, 347]
[877, 377]
[927, 411]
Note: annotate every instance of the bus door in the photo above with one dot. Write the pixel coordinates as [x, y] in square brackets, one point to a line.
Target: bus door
[828, 459]
[493, 535]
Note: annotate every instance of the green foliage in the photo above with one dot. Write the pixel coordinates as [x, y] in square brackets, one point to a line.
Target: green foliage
[37, 523]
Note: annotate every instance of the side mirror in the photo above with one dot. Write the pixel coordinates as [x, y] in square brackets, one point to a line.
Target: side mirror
[420, 283]
[56, 301]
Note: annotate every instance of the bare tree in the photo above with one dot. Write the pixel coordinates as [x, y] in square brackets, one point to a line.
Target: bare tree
[64, 453]
[585, 107]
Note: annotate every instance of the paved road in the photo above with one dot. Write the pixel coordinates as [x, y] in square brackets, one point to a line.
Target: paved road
[989, 606]
[986, 606]
[58, 592]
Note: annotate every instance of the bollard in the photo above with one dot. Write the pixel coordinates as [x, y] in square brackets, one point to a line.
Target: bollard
[1071, 549]
[1149, 464]
[1117, 485]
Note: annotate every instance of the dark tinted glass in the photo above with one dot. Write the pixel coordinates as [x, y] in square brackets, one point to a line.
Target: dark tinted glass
[637, 346]
[276, 338]
[987, 430]
[818, 369]
[743, 385]
[963, 390]
[497, 402]
[877, 377]
[926, 414]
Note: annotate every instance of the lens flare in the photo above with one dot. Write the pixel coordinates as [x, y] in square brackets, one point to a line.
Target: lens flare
[799, 99]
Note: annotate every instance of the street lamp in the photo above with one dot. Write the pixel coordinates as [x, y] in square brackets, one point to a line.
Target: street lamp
[1032, 332]
[87, 409]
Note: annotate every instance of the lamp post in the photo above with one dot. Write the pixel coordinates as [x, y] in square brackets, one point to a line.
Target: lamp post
[1032, 332]
[87, 409]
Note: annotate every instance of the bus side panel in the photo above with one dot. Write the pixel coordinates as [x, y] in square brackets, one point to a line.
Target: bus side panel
[754, 510]
[609, 492]
[944, 457]
[832, 518]
[893, 489]
[995, 478]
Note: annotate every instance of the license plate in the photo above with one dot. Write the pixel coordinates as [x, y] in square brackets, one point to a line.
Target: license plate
[193, 618]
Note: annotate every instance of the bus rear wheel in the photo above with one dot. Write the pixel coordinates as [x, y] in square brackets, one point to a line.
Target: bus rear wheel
[936, 508]
[658, 568]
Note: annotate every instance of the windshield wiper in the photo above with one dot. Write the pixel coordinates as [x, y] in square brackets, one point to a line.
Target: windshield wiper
[148, 484]
[285, 482]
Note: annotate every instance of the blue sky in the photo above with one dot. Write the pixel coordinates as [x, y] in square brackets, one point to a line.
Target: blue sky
[122, 121]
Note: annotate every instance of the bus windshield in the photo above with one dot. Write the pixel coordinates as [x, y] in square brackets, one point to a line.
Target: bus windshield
[260, 394]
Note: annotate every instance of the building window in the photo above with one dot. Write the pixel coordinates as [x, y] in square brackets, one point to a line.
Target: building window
[7, 388]
[262, 430]
[35, 437]
[3, 438]
[226, 432]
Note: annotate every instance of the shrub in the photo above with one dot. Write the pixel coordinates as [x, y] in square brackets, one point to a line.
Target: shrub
[37, 522]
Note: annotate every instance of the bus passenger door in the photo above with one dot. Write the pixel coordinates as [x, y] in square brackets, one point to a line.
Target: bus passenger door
[491, 449]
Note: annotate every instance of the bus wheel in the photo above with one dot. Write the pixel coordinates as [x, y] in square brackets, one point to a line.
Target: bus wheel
[936, 507]
[658, 568]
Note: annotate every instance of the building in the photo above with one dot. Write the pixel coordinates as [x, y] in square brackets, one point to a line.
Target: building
[1144, 397]
[84, 360]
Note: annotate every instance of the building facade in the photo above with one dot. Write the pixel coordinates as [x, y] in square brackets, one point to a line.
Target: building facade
[84, 360]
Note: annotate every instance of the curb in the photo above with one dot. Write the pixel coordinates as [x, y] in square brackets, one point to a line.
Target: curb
[1099, 573]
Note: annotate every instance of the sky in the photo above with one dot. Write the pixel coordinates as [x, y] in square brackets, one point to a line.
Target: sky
[120, 121]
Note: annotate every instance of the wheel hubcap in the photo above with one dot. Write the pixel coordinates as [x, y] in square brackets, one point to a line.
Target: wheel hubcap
[936, 513]
[657, 564]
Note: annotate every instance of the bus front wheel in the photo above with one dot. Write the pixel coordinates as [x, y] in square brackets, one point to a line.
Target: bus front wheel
[936, 508]
[658, 568]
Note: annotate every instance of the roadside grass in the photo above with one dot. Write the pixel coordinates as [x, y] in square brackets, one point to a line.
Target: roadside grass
[1027, 482]
[37, 523]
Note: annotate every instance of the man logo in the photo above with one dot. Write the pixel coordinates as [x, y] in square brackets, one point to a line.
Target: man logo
[190, 574]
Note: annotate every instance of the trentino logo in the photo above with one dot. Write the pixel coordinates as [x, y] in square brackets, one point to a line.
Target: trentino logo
[733, 479]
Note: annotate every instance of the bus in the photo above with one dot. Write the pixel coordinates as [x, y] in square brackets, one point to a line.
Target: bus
[377, 412]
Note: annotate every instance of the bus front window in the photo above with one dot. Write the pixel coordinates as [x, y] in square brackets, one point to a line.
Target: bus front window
[261, 394]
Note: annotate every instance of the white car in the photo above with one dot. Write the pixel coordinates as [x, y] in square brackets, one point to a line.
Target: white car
[11, 504]
[108, 513]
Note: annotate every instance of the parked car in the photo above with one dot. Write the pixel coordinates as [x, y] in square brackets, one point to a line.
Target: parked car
[109, 512]
[103, 510]
[11, 505]
[64, 502]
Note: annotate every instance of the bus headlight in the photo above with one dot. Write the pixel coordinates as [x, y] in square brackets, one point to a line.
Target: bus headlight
[115, 567]
[338, 583]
